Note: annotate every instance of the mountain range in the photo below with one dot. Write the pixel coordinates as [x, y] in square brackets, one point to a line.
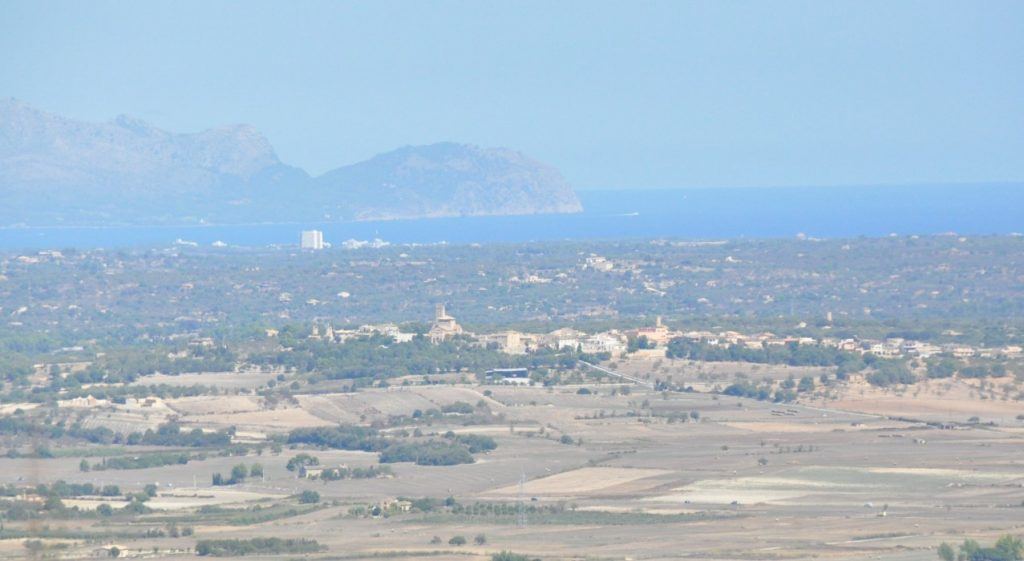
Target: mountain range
[60, 171]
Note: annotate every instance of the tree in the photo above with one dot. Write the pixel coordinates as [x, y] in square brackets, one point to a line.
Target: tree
[115, 551]
[84, 465]
[239, 473]
[302, 460]
[946, 552]
[309, 497]
[1007, 548]
[256, 470]
[150, 490]
[806, 384]
[1010, 547]
[457, 540]
[943, 368]
[53, 503]
[480, 539]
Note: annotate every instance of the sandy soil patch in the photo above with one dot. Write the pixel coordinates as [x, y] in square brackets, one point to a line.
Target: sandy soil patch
[353, 407]
[192, 498]
[270, 420]
[125, 422]
[220, 404]
[496, 429]
[183, 498]
[629, 509]
[230, 380]
[93, 503]
[945, 473]
[380, 404]
[752, 490]
[793, 427]
[581, 481]
[12, 407]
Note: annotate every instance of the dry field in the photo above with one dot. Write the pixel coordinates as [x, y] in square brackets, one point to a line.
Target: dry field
[861, 476]
[583, 482]
[705, 375]
[222, 380]
[933, 400]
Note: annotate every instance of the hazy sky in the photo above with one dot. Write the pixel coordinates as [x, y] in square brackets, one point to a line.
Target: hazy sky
[625, 94]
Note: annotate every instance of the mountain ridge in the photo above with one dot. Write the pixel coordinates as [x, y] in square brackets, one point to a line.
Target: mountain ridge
[57, 170]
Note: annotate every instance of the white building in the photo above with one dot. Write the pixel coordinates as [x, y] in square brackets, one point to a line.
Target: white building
[510, 342]
[604, 343]
[311, 239]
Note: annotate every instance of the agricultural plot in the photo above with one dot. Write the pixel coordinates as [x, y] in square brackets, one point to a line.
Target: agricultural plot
[612, 474]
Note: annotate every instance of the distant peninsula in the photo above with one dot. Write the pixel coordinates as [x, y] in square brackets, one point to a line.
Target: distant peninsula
[60, 171]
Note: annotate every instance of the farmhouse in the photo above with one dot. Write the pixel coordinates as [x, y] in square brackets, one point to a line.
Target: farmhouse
[323, 472]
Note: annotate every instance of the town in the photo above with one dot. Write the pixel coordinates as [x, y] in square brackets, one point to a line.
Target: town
[654, 340]
[455, 399]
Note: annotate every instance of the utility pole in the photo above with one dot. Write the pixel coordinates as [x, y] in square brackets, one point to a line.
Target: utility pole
[520, 504]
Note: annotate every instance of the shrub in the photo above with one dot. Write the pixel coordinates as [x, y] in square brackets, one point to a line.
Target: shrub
[431, 453]
[509, 556]
[255, 546]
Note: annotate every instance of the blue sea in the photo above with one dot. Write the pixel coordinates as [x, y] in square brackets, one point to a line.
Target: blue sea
[824, 212]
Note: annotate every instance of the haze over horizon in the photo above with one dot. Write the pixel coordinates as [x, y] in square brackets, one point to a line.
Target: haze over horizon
[651, 95]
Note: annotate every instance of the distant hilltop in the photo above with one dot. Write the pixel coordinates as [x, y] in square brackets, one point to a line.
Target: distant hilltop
[60, 171]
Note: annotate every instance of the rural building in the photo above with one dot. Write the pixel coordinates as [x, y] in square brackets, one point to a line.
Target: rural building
[395, 505]
[604, 343]
[511, 342]
[564, 338]
[659, 334]
[508, 376]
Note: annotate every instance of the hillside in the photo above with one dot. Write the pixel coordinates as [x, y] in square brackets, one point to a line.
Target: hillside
[448, 179]
[59, 171]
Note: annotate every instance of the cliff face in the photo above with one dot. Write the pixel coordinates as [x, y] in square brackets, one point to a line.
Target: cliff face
[55, 170]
